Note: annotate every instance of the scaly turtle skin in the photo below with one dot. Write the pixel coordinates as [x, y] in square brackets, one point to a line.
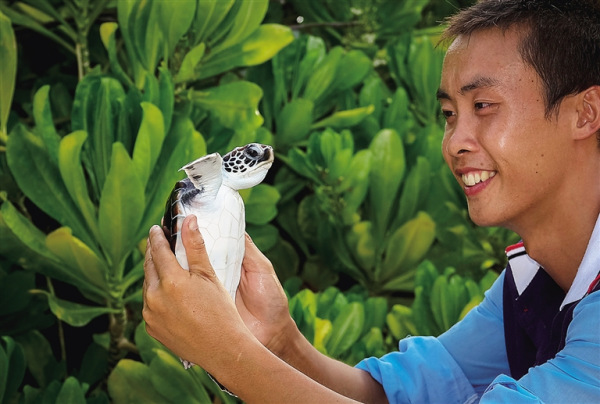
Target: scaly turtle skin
[210, 192]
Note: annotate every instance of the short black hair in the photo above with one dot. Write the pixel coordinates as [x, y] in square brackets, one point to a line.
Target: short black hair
[561, 39]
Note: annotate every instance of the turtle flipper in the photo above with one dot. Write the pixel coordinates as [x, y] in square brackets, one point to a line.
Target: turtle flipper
[206, 173]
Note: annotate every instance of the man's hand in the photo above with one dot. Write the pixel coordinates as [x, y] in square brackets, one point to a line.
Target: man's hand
[190, 312]
[262, 303]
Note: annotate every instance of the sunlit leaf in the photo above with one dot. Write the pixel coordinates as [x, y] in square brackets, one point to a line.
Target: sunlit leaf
[235, 105]
[121, 207]
[74, 314]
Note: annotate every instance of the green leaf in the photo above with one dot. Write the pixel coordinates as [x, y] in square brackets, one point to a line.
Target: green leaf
[322, 78]
[107, 35]
[247, 19]
[41, 362]
[408, 245]
[174, 20]
[414, 191]
[8, 71]
[260, 46]
[71, 171]
[323, 330]
[209, 16]
[121, 208]
[147, 345]
[148, 40]
[182, 145]
[12, 368]
[39, 178]
[294, 122]
[362, 245]
[26, 244]
[74, 314]
[4, 371]
[376, 309]
[130, 382]
[399, 321]
[235, 105]
[386, 174]
[71, 392]
[347, 328]
[148, 142]
[171, 380]
[352, 69]
[80, 259]
[261, 204]
[345, 119]
[190, 61]
[97, 107]
[44, 125]
[356, 183]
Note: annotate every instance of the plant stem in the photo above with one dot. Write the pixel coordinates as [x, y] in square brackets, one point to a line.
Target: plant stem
[61, 331]
[81, 47]
[116, 330]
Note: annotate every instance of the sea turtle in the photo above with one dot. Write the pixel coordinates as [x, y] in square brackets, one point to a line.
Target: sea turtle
[210, 191]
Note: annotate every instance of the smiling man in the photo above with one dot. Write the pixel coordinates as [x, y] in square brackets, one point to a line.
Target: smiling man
[520, 91]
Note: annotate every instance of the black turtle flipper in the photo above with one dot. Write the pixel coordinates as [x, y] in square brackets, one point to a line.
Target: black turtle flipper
[173, 212]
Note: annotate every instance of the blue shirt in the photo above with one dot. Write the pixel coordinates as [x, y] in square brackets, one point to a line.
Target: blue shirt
[469, 364]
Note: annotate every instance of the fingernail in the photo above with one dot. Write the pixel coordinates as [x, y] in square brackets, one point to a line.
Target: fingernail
[193, 224]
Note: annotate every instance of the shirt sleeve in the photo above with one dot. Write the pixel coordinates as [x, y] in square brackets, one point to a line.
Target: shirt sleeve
[572, 376]
[456, 367]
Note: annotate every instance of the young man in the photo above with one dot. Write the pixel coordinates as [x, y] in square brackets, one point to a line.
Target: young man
[520, 91]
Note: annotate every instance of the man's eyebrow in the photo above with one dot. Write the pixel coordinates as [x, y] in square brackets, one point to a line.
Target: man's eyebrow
[478, 82]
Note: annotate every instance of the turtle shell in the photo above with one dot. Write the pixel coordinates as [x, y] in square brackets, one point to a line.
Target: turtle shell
[183, 191]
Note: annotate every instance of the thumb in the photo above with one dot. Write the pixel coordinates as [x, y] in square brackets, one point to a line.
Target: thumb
[255, 260]
[195, 249]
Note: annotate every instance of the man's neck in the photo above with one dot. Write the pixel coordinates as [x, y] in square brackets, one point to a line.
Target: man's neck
[559, 243]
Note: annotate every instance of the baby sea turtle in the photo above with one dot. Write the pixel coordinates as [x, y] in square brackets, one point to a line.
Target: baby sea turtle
[210, 192]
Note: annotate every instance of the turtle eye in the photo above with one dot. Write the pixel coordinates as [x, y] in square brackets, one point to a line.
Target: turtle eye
[254, 151]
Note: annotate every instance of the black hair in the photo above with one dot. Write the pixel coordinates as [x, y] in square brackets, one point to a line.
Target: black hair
[561, 39]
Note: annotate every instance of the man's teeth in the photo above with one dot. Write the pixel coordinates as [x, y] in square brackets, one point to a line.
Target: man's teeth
[476, 177]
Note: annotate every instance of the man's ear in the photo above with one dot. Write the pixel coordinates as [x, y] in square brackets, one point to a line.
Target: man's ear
[588, 108]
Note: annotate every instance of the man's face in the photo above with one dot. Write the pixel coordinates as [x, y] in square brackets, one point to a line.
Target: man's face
[508, 157]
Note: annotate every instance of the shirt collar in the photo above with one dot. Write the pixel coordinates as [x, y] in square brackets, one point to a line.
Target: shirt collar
[524, 267]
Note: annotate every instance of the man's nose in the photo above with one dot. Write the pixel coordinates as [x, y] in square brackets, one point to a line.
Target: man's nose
[460, 139]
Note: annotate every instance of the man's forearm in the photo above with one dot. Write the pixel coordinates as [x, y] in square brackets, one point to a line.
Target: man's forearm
[338, 376]
[256, 375]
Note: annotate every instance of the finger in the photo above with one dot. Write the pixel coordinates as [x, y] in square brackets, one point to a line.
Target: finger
[150, 275]
[255, 260]
[162, 258]
[195, 249]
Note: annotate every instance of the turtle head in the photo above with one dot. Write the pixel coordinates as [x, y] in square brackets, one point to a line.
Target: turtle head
[247, 166]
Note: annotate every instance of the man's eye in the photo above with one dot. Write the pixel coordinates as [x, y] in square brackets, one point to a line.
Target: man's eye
[447, 114]
[482, 105]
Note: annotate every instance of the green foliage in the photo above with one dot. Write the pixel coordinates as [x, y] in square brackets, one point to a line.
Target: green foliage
[441, 299]
[304, 84]
[358, 211]
[361, 23]
[160, 377]
[12, 368]
[347, 326]
[8, 72]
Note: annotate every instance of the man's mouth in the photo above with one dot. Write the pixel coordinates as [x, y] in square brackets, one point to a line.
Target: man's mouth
[475, 177]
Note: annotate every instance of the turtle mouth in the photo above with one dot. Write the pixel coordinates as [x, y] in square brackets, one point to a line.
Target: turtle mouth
[246, 157]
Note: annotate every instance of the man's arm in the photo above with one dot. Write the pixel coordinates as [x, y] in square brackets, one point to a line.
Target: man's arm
[192, 314]
[572, 376]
